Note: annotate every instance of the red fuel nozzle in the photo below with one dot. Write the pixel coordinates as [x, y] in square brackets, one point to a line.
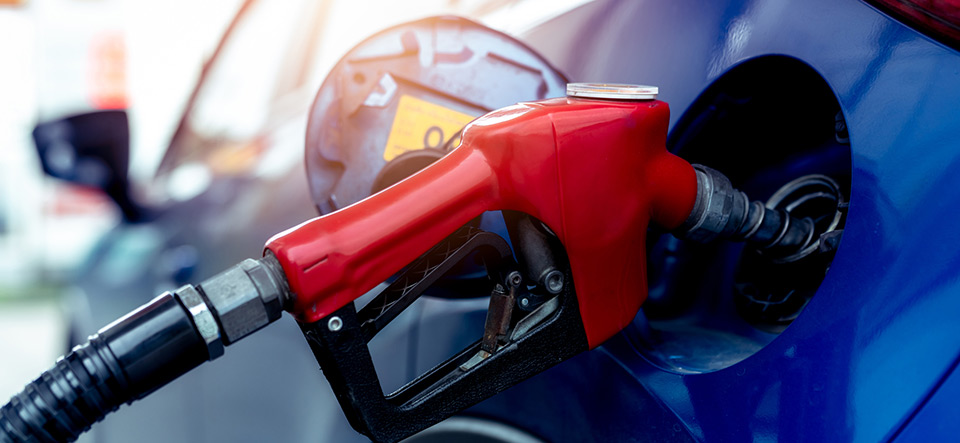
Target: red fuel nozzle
[596, 172]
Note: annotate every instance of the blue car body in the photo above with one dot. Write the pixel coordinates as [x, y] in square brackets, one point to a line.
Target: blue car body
[873, 355]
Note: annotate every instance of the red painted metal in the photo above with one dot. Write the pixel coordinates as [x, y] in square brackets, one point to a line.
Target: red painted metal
[596, 172]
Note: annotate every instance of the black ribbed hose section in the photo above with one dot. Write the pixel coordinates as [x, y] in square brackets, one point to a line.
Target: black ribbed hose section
[145, 350]
[123, 362]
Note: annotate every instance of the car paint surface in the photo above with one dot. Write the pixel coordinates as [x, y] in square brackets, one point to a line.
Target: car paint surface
[880, 335]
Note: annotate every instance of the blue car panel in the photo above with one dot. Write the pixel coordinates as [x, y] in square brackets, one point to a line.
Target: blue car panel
[880, 334]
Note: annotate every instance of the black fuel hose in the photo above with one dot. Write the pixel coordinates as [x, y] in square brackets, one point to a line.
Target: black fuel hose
[143, 351]
[122, 363]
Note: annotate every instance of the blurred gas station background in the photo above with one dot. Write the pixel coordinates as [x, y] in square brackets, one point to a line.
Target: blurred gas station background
[60, 58]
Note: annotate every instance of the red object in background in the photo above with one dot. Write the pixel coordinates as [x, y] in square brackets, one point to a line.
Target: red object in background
[73, 200]
[938, 17]
[596, 172]
[108, 71]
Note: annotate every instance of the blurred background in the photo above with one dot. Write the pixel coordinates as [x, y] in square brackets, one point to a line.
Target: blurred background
[204, 102]
[63, 58]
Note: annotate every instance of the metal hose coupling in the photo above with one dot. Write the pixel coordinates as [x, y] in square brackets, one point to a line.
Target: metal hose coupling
[146, 349]
[723, 212]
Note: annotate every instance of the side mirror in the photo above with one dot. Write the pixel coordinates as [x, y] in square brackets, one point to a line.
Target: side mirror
[91, 149]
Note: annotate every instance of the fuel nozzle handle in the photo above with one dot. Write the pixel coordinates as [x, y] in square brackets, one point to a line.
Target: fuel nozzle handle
[723, 212]
[146, 349]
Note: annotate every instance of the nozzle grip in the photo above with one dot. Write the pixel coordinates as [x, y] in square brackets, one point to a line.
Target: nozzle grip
[331, 260]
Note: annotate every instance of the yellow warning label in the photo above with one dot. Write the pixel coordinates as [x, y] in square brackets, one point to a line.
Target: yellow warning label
[420, 124]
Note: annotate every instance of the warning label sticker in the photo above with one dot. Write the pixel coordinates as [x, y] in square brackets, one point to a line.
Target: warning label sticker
[420, 124]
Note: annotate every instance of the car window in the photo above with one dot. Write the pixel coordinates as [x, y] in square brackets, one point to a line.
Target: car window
[261, 59]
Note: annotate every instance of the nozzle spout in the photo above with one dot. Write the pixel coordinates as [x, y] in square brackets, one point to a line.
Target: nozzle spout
[723, 212]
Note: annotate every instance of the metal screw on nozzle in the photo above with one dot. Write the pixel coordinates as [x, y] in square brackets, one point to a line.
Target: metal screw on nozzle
[334, 324]
[514, 279]
[553, 282]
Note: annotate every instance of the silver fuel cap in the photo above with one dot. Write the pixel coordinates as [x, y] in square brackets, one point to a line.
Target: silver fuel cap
[612, 91]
